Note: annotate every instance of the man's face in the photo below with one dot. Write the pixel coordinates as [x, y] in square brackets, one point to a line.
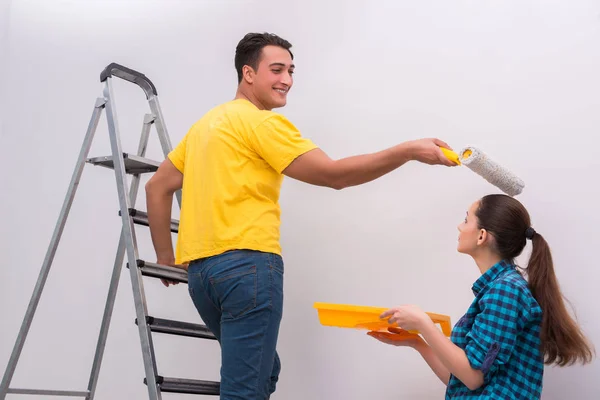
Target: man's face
[272, 80]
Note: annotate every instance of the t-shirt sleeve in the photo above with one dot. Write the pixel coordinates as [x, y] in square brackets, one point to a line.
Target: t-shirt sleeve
[494, 333]
[278, 142]
[177, 155]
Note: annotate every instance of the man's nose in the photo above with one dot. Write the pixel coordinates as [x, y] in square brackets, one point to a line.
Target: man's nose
[286, 79]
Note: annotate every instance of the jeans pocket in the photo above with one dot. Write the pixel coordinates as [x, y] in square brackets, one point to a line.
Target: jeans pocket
[276, 289]
[236, 291]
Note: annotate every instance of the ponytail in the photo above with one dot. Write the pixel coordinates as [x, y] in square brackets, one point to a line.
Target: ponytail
[563, 343]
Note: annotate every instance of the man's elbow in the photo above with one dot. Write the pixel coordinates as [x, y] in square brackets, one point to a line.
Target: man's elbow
[324, 177]
[150, 187]
[154, 188]
[334, 178]
[324, 174]
[336, 184]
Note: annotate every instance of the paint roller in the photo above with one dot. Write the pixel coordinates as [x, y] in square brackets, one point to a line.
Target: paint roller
[480, 163]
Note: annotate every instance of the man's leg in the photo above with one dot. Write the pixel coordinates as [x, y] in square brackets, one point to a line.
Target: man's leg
[275, 374]
[208, 310]
[247, 286]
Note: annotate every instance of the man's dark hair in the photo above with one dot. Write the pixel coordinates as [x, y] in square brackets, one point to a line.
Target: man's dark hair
[249, 49]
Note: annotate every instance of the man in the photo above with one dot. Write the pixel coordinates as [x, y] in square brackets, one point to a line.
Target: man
[230, 166]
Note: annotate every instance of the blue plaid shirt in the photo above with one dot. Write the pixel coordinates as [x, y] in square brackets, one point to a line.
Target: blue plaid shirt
[500, 334]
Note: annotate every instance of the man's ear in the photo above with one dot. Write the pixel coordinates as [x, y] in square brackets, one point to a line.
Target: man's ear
[248, 74]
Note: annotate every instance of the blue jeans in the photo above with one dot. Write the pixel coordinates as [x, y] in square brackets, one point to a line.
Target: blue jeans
[239, 295]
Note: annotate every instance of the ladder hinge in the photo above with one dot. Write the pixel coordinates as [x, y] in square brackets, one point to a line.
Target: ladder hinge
[149, 118]
[100, 102]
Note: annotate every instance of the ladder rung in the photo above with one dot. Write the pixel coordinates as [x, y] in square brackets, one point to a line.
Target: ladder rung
[161, 271]
[64, 393]
[141, 218]
[133, 164]
[178, 328]
[189, 386]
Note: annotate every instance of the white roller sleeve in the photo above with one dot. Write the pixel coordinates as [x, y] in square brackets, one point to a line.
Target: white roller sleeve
[479, 162]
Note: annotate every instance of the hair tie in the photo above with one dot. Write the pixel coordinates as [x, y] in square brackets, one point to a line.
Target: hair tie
[529, 233]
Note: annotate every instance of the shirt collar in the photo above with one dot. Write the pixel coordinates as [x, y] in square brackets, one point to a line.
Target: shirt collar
[490, 275]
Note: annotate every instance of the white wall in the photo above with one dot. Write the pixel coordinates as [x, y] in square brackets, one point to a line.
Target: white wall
[518, 79]
[4, 19]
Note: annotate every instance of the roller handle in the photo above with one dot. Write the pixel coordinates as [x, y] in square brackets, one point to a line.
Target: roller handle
[130, 75]
[451, 155]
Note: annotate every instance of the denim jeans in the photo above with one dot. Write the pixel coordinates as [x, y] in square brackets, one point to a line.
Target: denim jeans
[239, 295]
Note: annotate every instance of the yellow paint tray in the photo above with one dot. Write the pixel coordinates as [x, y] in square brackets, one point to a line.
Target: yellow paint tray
[366, 317]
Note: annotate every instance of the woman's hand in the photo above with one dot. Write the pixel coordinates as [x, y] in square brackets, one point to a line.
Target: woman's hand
[397, 337]
[409, 317]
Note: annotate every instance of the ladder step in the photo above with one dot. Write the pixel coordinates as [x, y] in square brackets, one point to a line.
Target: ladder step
[141, 218]
[178, 328]
[62, 393]
[133, 164]
[189, 386]
[161, 271]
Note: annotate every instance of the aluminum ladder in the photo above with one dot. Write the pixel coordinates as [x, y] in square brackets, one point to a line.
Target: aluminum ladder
[123, 164]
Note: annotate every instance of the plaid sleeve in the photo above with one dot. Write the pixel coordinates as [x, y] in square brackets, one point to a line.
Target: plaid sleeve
[495, 330]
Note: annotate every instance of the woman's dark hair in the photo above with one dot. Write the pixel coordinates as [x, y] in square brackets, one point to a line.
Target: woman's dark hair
[509, 223]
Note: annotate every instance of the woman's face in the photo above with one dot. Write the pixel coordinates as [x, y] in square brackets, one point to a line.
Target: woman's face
[469, 236]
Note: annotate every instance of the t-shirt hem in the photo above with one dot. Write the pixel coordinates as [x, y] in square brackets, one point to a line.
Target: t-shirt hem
[223, 249]
[176, 162]
[286, 161]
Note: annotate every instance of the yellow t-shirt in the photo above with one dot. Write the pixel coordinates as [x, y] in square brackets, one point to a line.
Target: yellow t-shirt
[231, 161]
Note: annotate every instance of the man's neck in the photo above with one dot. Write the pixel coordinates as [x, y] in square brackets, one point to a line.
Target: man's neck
[244, 93]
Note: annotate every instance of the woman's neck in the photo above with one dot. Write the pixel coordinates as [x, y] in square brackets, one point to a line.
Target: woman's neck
[486, 260]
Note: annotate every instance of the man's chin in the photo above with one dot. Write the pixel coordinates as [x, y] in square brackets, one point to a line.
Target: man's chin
[279, 104]
[278, 101]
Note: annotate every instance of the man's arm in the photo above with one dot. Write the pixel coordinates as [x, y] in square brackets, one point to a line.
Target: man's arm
[159, 200]
[316, 168]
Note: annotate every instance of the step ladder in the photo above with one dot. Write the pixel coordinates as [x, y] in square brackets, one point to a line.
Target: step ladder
[123, 164]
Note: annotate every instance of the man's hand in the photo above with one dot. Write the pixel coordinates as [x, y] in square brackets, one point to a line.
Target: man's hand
[167, 282]
[428, 151]
[170, 263]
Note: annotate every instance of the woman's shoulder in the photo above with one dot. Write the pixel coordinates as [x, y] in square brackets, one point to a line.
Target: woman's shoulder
[512, 289]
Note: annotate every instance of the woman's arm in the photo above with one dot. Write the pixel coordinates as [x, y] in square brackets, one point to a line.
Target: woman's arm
[400, 337]
[450, 355]
[434, 362]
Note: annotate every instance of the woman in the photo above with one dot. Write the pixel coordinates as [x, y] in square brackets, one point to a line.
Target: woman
[513, 327]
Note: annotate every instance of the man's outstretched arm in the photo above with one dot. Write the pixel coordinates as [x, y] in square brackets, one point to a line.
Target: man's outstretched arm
[316, 168]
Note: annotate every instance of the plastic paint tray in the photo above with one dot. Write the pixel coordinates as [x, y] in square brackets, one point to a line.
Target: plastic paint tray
[365, 317]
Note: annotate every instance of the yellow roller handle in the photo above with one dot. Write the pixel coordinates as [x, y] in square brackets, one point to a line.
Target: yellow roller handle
[452, 156]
